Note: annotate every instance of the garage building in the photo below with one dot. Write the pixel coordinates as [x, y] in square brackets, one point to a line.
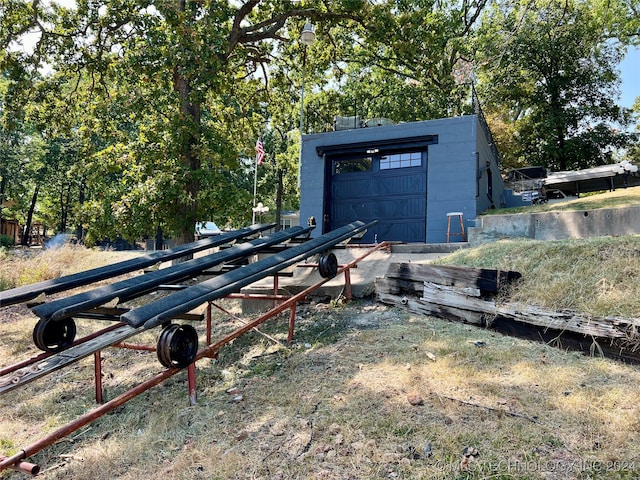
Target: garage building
[407, 176]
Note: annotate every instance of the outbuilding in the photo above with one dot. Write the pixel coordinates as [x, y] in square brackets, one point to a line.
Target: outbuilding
[409, 177]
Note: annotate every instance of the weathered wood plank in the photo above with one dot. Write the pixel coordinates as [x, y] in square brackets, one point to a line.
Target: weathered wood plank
[397, 285]
[452, 294]
[423, 307]
[446, 298]
[484, 279]
[568, 320]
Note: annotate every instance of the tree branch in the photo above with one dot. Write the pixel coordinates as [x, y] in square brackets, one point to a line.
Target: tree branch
[268, 29]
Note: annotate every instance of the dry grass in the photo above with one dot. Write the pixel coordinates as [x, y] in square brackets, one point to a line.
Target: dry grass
[364, 392]
[597, 276]
[335, 405]
[25, 266]
[623, 197]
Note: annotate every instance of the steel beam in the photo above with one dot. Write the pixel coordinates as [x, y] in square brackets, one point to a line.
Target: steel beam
[133, 287]
[164, 309]
[29, 292]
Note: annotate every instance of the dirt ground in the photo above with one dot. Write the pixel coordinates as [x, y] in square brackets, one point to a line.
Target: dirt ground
[365, 391]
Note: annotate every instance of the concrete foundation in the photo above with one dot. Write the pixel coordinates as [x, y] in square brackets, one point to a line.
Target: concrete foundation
[556, 225]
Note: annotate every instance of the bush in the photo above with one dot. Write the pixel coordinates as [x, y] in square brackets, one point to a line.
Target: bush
[6, 241]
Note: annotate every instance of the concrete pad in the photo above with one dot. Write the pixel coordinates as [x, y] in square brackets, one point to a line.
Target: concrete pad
[363, 276]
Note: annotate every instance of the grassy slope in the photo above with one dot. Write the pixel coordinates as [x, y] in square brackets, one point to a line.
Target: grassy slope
[335, 405]
[619, 198]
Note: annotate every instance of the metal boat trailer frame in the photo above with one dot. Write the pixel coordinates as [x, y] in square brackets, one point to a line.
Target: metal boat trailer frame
[282, 303]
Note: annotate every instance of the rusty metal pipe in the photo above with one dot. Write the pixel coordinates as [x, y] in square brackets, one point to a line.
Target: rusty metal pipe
[214, 347]
[347, 284]
[24, 467]
[208, 318]
[191, 380]
[292, 323]
[133, 346]
[78, 423]
[97, 369]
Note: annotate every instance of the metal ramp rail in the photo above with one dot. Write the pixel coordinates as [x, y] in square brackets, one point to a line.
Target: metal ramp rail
[55, 331]
[29, 292]
[149, 317]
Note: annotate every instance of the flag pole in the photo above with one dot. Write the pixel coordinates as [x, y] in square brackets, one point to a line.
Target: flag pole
[259, 158]
[255, 190]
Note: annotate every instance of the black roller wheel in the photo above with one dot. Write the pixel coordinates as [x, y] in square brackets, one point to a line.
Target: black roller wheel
[51, 336]
[177, 346]
[328, 265]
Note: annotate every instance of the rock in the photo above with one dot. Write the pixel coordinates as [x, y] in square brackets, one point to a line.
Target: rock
[277, 431]
[427, 450]
[243, 435]
[334, 429]
[415, 399]
[357, 446]
[469, 454]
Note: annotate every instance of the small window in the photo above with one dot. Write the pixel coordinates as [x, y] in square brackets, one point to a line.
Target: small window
[285, 223]
[401, 160]
[352, 165]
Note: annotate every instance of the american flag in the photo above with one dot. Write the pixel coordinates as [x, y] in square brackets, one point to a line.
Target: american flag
[259, 152]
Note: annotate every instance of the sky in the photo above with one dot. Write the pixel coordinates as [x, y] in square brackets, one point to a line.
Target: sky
[630, 73]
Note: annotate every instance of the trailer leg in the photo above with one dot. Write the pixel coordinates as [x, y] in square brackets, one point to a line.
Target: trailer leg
[347, 284]
[191, 380]
[208, 323]
[97, 362]
[292, 322]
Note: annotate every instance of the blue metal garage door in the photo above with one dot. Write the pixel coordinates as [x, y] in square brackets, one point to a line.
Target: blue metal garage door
[389, 187]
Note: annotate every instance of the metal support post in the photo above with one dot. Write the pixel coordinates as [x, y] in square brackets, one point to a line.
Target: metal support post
[208, 317]
[292, 322]
[191, 380]
[276, 287]
[347, 284]
[97, 367]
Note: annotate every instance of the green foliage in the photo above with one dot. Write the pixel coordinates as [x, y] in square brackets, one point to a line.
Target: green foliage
[146, 114]
[6, 241]
[550, 72]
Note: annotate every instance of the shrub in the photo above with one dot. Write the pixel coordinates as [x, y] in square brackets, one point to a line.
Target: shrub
[6, 241]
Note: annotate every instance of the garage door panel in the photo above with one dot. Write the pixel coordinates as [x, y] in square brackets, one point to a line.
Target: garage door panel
[351, 187]
[404, 207]
[400, 184]
[347, 212]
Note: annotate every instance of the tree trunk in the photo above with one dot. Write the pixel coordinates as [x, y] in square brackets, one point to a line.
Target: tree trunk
[26, 236]
[81, 198]
[190, 110]
[279, 202]
[3, 186]
[64, 208]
